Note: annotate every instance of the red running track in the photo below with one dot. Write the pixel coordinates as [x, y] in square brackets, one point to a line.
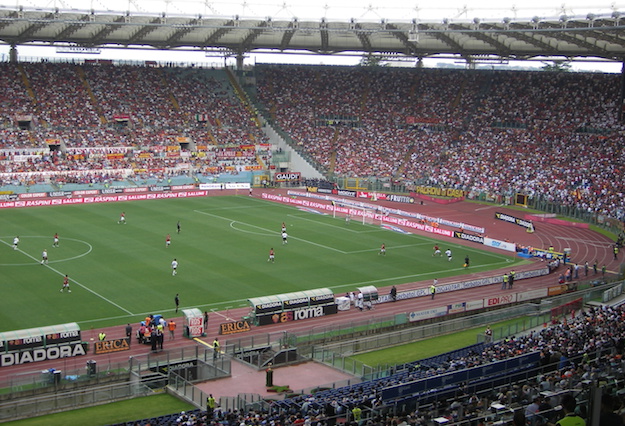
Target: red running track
[586, 245]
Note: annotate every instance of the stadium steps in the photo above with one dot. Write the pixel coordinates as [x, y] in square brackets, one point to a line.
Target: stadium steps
[174, 101]
[333, 154]
[458, 97]
[260, 161]
[365, 95]
[32, 139]
[332, 164]
[26, 82]
[404, 162]
[170, 95]
[242, 95]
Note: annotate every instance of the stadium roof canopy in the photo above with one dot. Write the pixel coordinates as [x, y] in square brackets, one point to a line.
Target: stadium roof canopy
[591, 35]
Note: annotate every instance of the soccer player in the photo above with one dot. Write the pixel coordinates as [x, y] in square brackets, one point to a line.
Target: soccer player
[283, 227]
[167, 241]
[16, 241]
[177, 301]
[272, 255]
[178, 226]
[65, 284]
[284, 237]
[55, 242]
[466, 261]
[174, 268]
[347, 219]
[437, 251]
[44, 257]
[122, 218]
[383, 250]
[448, 254]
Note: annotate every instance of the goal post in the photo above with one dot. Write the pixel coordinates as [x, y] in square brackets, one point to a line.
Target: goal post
[368, 216]
[363, 215]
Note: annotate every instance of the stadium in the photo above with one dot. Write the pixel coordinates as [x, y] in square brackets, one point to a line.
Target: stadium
[188, 242]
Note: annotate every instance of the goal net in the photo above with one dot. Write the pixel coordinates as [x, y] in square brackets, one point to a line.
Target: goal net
[357, 214]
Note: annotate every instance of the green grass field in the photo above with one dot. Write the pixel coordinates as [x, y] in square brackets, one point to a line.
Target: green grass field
[111, 413]
[119, 273]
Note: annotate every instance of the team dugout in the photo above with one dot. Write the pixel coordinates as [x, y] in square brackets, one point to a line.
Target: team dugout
[295, 306]
[40, 337]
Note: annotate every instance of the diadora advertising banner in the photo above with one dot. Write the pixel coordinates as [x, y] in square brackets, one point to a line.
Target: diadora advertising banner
[42, 354]
[511, 219]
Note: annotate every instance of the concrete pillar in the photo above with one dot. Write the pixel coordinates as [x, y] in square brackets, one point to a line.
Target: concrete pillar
[13, 54]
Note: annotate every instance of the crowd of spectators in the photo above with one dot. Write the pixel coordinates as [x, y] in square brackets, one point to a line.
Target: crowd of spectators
[574, 351]
[60, 98]
[583, 349]
[14, 100]
[79, 114]
[481, 131]
[88, 104]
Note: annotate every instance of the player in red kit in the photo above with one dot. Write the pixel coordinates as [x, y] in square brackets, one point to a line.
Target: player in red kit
[167, 241]
[65, 284]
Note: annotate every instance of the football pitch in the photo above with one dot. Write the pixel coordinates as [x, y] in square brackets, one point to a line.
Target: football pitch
[121, 272]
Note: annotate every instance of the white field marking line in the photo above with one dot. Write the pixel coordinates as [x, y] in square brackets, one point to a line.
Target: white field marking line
[272, 232]
[54, 261]
[352, 285]
[387, 248]
[214, 312]
[72, 280]
[233, 208]
[344, 228]
[144, 314]
[264, 234]
[238, 302]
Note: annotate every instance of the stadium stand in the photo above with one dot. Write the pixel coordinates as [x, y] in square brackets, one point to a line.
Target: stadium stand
[77, 118]
[473, 130]
[64, 125]
[478, 131]
[564, 358]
